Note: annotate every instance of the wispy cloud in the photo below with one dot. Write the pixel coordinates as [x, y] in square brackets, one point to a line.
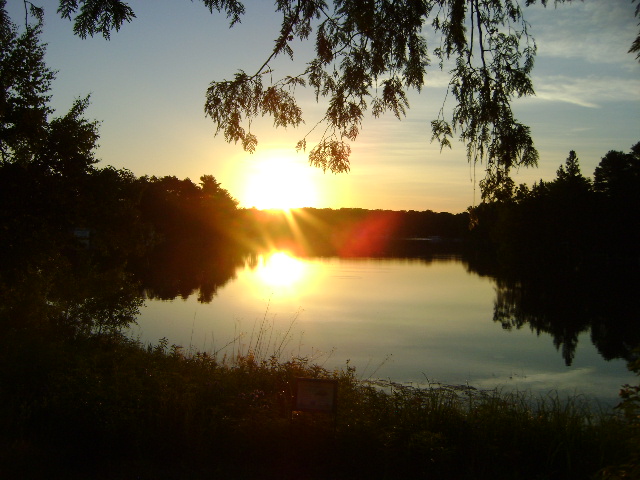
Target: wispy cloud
[595, 31]
[590, 92]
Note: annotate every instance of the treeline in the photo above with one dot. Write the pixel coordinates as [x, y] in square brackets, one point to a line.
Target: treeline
[565, 255]
[178, 209]
[112, 213]
[108, 211]
[348, 231]
[571, 223]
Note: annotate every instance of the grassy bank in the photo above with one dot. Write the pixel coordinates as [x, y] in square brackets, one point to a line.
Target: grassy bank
[108, 407]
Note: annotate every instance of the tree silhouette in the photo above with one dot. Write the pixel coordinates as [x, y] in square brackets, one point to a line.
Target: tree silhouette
[570, 171]
[25, 83]
[617, 182]
[50, 189]
[368, 55]
[618, 174]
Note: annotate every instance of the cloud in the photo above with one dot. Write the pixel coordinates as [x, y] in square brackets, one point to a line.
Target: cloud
[589, 381]
[594, 31]
[437, 78]
[591, 91]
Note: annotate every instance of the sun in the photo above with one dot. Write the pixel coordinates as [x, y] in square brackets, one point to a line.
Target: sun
[279, 179]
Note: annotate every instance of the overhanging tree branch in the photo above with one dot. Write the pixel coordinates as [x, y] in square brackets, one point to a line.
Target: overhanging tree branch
[364, 47]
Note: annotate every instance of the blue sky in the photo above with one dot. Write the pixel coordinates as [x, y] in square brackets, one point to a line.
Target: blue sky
[148, 84]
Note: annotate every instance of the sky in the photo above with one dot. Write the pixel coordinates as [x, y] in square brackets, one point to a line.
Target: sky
[148, 84]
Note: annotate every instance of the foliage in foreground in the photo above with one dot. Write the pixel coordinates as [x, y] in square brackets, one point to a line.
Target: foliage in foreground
[107, 407]
[630, 406]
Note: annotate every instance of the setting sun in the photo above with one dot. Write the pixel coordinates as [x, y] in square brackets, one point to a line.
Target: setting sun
[279, 180]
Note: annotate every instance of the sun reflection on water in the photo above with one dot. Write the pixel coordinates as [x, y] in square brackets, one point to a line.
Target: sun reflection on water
[280, 269]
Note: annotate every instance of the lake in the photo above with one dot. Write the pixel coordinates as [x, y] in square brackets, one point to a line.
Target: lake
[413, 320]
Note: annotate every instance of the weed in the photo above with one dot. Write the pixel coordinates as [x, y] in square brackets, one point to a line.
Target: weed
[106, 406]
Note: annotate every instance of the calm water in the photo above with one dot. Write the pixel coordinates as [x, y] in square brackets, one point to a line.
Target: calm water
[404, 320]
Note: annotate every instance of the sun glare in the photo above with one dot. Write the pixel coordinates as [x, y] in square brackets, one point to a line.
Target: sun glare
[281, 270]
[279, 180]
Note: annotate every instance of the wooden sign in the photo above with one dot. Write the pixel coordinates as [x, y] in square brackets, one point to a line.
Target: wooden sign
[315, 395]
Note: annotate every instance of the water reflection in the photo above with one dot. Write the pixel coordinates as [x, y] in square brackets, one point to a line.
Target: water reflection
[280, 269]
[66, 299]
[180, 270]
[420, 317]
[434, 308]
[566, 306]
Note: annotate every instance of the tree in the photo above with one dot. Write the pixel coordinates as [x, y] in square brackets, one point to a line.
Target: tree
[571, 217]
[179, 210]
[617, 182]
[218, 208]
[618, 174]
[50, 189]
[213, 192]
[570, 183]
[570, 169]
[368, 55]
[25, 82]
[49, 185]
[63, 145]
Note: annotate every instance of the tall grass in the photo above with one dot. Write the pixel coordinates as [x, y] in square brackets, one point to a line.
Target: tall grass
[110, 407]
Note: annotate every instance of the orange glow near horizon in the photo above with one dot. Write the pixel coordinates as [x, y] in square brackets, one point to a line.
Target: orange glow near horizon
[279, 180]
